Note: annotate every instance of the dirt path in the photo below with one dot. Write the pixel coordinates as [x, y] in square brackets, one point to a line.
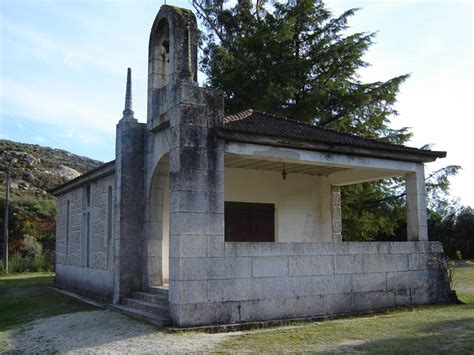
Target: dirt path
[101, 332]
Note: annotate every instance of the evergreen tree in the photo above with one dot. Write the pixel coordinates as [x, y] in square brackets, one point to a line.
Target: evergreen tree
[296, 60]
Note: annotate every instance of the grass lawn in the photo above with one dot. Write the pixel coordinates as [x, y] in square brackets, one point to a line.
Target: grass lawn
[24, 297]
[437, 328]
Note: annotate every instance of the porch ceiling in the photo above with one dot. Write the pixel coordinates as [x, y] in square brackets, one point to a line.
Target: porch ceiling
[245, 162]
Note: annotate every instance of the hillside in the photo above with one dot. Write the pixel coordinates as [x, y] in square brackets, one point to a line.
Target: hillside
[38, 169]
[32, 210]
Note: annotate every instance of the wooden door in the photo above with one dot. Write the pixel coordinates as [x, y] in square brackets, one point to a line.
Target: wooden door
[249, 222]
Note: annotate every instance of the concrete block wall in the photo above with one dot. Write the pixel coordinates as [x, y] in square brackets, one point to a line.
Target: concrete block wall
[96, 279]
[268, 281]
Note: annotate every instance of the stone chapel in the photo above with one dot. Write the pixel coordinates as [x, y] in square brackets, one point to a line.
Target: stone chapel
[205, 219]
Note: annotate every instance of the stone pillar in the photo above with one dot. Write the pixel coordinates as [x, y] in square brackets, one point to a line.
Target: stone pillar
[336, 214]
[417, 225]
[196, 173]
[128, 202]
[128, 208]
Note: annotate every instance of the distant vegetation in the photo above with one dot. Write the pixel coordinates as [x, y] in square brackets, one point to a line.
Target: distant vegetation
[32, 211]
[448, 222]
[454, 227]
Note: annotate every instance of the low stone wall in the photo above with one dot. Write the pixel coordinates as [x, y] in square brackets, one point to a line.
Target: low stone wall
[268, 281]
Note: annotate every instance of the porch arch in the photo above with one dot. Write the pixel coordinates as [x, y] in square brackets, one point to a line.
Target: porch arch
[156, 231]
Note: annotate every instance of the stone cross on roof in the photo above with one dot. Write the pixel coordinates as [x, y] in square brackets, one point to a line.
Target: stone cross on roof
[128, 112]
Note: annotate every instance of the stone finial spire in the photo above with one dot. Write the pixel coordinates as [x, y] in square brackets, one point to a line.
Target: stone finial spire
[127, 112]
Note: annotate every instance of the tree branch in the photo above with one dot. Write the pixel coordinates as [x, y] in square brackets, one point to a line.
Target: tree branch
[201, 11]
[392, 197]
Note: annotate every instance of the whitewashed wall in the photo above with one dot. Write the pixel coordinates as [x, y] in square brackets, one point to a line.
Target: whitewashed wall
[302, 202]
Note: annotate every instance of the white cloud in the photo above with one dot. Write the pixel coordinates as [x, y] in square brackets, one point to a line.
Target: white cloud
[430, 45]
[56, 108]
[78, 55]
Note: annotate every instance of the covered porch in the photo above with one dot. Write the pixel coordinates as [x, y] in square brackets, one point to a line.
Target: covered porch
[255, 223]
[303, 188]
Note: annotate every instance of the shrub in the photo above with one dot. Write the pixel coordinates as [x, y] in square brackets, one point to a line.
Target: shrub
[31, 246]
[37, 263]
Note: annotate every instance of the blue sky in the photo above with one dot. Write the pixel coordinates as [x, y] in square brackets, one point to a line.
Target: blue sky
[63, 67]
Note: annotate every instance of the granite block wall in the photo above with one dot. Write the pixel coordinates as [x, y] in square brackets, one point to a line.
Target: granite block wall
[128, 207]
[196, 209]
[268, 281]
[84, 251]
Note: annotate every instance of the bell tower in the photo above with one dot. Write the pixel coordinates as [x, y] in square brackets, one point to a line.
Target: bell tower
[181, 132]
[172, 59]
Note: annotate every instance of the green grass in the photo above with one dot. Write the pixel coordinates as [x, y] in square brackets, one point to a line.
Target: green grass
[25, 297]
[464, 279]
[429, 329]
[435, 329]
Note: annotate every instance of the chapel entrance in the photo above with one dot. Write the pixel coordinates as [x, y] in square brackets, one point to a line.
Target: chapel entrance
[156, 238]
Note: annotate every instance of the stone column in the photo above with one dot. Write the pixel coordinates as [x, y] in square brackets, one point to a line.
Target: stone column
[128, 208]
[336, 214]
[196, 174]
[417, 225]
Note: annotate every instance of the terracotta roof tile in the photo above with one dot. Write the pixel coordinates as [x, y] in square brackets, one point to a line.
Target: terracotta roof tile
[265, 124]
[238, 116]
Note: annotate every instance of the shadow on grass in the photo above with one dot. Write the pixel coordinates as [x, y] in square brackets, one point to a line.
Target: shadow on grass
[452, 336]
[24, 298]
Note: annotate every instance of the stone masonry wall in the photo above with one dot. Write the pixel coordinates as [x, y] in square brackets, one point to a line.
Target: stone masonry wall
[196, 208]
[128, 207]
[268, 281]
[94, 279]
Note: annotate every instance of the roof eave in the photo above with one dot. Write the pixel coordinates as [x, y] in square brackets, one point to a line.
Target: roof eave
[424, 156]
[92, 175]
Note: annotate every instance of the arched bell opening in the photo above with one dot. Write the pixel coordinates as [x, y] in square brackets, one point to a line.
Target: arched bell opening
[160, 60]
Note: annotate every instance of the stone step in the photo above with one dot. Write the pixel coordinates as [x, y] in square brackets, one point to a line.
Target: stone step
[140, 314]
[151, 297]
[149, 307]
[159, 290]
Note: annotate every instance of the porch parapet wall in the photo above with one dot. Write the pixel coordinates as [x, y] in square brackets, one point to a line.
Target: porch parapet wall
[268, 281]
